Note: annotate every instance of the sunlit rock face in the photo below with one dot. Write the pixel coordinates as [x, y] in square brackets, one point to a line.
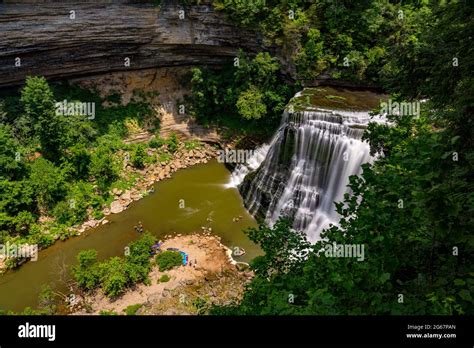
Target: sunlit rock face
[43, 38]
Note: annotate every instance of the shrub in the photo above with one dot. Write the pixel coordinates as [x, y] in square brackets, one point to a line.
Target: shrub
[138, 157]
[164, 278]
[173, 143]
[69, 214]
[102, 166]
[168, 260]
[46, 300]
[108, 313]
[86, 272]
[157, 142]
[113, 276]
[191, 144]
[48, 183]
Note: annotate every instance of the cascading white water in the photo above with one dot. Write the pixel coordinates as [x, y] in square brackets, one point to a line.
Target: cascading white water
[306, 168]
[251, 164]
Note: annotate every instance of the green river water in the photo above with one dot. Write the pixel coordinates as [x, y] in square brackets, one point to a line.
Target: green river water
[205, 194]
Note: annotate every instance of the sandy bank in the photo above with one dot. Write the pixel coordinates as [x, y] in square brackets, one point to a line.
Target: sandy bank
[213, 278]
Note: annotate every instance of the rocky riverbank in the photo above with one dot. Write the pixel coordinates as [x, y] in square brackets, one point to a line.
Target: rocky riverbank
[145, 178]
[152, 173]
[212, 278]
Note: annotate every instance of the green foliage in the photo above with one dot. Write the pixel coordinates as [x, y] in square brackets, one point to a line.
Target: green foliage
[319, 36]
[79, 158]
[442, 51]
[48, 182]
[46, 301]
[168, 259]
[192, 144]
[11, 163]
[283, 250]
[311, 59]
[173, 143]
[157, 142]
[16, 205]
[164, 278]
[132, 309]
[39, 105]
[113, 278]
[51, 164]
[115, 274]
[248, 97]
[249, 104]
[139, 156]
[103, 167]
[86, 273]
[138, 260]
[243, 12]
[412, 208]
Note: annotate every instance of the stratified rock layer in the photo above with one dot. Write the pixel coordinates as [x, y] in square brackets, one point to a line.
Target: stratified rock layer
[44, 39]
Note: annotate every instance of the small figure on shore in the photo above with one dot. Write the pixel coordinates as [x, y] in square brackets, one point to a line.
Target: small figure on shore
[139, 227]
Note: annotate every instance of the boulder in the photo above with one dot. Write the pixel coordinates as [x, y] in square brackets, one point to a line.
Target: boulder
[116, 207]
[126, 196]
[90, 224]
[116, 192]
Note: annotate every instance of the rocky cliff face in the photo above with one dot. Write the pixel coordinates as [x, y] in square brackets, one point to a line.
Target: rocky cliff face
[45, 39]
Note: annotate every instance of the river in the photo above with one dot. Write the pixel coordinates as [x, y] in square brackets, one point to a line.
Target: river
[207, 200]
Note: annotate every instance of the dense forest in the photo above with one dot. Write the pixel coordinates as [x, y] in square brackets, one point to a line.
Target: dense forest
[413, 207]
[59, 166]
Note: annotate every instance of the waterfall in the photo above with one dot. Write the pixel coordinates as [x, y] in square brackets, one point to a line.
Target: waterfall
[305, 168]
[251, 164]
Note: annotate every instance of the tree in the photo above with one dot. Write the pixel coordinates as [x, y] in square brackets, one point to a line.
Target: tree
[46, 300]
[102, 166]
[39, 105]
[17, 205]
[249, 96]
[48, 183]
[311, 61]
[113, 277]
[115, 274]
[138, 157]
[250, 104]
[11, 162]
[86, 273]
[79, 157]
[412, 209]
